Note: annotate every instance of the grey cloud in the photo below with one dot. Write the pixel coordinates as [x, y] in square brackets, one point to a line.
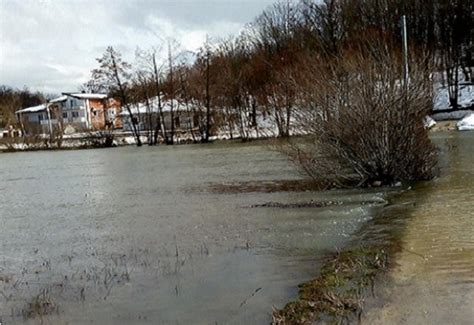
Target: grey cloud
[191, 14]
[52, 44]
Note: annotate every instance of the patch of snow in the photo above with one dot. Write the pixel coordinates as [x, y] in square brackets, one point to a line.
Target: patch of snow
[466, 124]
[465, 94]
[429, 122]
[69, 129]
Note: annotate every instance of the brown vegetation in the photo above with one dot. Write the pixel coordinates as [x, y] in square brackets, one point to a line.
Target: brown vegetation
[366, 126]
[233, 83]
[12, 100]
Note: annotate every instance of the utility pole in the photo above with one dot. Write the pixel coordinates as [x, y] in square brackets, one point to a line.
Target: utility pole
[405, 49]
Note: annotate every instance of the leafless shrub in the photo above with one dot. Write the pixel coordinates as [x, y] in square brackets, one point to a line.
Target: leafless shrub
[98, 139]
[365, 124]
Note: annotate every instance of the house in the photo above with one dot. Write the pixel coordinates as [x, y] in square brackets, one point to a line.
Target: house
[81, 111]
[88, 111]
[146, 117]
[34, 119]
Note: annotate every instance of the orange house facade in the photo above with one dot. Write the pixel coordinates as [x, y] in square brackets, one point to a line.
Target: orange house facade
[105, 113]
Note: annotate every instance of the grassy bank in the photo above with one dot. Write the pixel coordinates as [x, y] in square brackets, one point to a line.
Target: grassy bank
[348, 277]
[337, 294]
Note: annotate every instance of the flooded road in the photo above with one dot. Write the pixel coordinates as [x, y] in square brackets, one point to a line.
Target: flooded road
[433, 280]
[162, 235]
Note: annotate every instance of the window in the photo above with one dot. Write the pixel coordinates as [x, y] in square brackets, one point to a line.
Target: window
[65, 115]
[71, 103]
[75, 114]
[40, 117]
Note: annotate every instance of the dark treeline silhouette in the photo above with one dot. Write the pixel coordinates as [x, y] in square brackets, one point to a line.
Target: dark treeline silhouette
[12, 99]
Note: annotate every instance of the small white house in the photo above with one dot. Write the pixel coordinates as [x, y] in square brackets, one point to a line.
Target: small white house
[147, 117]
[35, 119]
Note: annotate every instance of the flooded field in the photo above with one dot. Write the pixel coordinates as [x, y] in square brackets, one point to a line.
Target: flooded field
[172, 235]
[220, 234]
[433, 279]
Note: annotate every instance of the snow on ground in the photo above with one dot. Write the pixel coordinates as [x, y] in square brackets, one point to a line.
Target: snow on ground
[441, 103]
[465, 94]
[429, 122]
[467, 123]
[465, 100]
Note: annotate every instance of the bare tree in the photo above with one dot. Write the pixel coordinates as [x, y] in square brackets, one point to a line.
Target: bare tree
[113, 75]
[171, 86]
[157, 78]
[184, 95]
[207, 58]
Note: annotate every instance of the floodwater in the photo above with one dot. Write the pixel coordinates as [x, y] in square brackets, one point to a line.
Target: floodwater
[163, 235]
[433, 280]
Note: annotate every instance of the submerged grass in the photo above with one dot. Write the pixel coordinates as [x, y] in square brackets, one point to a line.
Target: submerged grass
[336, 296]
[347, 278]
[41, 305]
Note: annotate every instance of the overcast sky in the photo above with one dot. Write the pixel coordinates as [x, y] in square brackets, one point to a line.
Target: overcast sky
[51, 45]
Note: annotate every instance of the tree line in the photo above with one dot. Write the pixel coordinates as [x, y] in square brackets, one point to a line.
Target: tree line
[233, 83]
[257, 73]
[12, 99]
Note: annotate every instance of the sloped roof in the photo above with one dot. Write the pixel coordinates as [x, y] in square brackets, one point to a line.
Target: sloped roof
[32, 109]
[62, 98]
[86, 95]
[141, 108]
[59, 99]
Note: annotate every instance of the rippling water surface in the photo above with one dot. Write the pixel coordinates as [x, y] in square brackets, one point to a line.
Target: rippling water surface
[131, 235]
